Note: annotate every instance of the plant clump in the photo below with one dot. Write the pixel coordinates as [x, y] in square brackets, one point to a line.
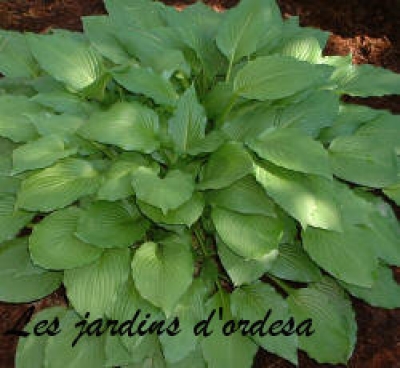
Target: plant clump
[180, 162]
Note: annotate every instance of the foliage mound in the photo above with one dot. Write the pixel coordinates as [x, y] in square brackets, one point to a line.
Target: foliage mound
[180, 162]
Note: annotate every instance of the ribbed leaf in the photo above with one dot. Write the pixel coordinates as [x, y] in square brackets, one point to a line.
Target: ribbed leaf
[252, 303]
[40, 153]
[146, 82]
[21, 281]
[111, 225]
[91, 288]
[274, 77]
[163, 272]
[187, 126]
[53, 243]
[58, 186]
[72, 61]
[293, 150]
[309, 199]
[131, 126]
[229, 163]
[333, 321]
[161, 192]
[250, 236]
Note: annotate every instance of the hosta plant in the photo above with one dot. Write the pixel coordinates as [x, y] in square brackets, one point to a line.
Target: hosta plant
[179, 162]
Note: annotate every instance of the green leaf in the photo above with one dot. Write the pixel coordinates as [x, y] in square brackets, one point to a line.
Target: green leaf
[245, 196]
[294, 264]
[111, 225]
[186, 214]
[250, 236]
[293, 150]
[31, 349]
[188, 124]
[58, 186]
[303, 47]
[242, 28]
[14, 123]
[241, 270]
[349, 256]
[309, 199]
[234, 351]
[161, 192]
[12, 221]
[210, 143]
[367, 80]
[99, 30]
[393, 192]
[40, 153]
[117, 181]
[130, 126]
[91, 288]
[61, 101]
[146, 82]
[251, 302]
[163, 272]
[21, 280]
[384, 293]
[359, 159]
[274, 77]
[333, 322]
[67, 59]
[88, 352]
[189, 310]
[53, 243]
[194, 360]
[16, 60]
[229, 163]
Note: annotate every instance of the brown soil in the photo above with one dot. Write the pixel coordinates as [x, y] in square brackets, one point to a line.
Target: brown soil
[370, 30]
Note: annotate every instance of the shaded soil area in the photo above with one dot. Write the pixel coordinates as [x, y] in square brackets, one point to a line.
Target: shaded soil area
[370, 30]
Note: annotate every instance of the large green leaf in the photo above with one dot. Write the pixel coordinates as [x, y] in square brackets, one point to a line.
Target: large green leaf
[66, 59]
[349, 256]
[393, 192]
[366, 80]
[162, 192]
[245, 196]
[146, 82]
[359, 159]
[291, 149]
[54, 245]
[252, 302]
[88, 352]
[117, 181]
[111, 225]
[131, 126]
[91, 288]
[243, 27]
[275, 77]
[241, 270]
[333, 321]
[250, 236]
[229, 163]
[58, 186]
[16, 60]
[234, 351]
[163, 272]
[294, 264]
[190, 310]
[11, 220]
[40, 153]
[99, 30]
[14, 124]
[21, 280]
[187, 126]
[186, 214]
[309, 199]
[31, 349]
[384, 293]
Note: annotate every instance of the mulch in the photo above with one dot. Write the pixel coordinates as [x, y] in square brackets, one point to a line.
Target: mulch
[370, 30]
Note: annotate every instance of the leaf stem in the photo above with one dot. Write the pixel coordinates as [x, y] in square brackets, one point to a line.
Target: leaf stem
[228, 74]
[227, 110]
[200, 239]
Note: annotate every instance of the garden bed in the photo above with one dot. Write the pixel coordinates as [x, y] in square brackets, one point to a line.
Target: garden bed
[370, 31]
